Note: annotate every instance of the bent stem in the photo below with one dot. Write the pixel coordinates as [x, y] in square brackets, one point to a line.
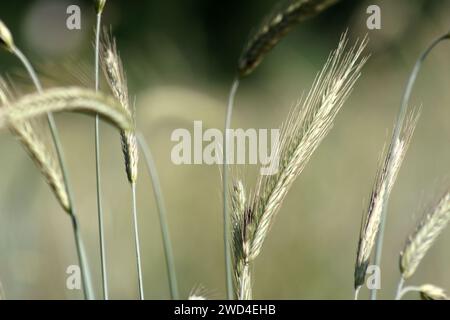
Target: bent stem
[81, 252]
[399, 293]
[97, 167]
[86, 278]
[395, 137]
[226, 216]
[137, 243]
[151, 167]
[407, 290]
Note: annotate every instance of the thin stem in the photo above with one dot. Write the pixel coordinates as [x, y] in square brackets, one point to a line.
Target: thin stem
[399, 288]
[137, 244]
[87, 283]
[357, 292]
[226, 216]
[151, 167]
[81, 252]
[407, 290]
[395, 138]
[97, 168]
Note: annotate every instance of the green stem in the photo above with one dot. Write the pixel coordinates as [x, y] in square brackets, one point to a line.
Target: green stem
[407, 290]
[97, 168]
[399, 294]
[395, 138]
[137, 244]
[226, 215]
[87, 284]
[81, 252]
[357, 292]
[151, 167]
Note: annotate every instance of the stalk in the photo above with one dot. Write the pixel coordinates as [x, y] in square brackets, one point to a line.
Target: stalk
[226, 215]
[397, 131]
[170, 262]
[400, 293]
[85, 274]
[357, 293]
[137, 243]
[98, 167]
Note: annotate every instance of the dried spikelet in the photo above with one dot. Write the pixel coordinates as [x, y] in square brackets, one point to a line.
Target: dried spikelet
[431, 292]
[273, 28]
[66, 73]
[44, 158]
[306, 127]
[241, 229]
[41, 154]
[66, 99]
[425, 235]
[6, 39]
[115, 76]
[198, 293]
[384, 183]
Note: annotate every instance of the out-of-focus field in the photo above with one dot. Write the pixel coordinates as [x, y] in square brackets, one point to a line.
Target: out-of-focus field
[180, 59]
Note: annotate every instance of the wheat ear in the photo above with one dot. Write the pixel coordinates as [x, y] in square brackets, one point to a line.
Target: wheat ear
[66, 99]
[397, 130]
[384, 182]
[39, 152]
[275, 27]
[425, 235]
[115, 76]
[241, 224]
[426, 291]
[305, 129]
[432, 292]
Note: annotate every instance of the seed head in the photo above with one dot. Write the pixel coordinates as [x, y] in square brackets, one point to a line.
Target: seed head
[6, 39]
[431, 292]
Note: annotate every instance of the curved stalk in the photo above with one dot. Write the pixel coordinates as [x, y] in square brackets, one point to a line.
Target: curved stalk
[395, 137]
[151, 167]
[85, 274]
[226, 215]
[400, 289]
[97, 168]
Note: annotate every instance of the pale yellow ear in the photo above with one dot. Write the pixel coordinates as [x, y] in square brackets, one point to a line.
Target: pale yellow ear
[426, 233]
[432, 292]
[6, 39]
[73, 99]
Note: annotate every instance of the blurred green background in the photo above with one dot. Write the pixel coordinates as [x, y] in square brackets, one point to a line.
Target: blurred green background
[180, 58]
